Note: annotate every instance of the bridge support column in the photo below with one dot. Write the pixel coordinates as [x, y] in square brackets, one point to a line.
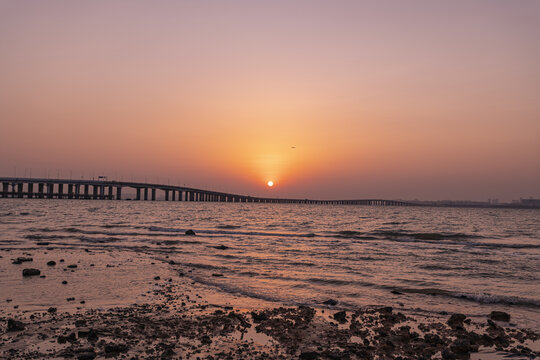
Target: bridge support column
[95, 195]
[138, 196]
[60, 191]
[20, 190]
[30, 190]
[166, 195]
[77, 191]
[118, 193]
[110, 195]
[5, 188]
[102, 192]
[50, 189]
[153, 194]
[145, 193]
[40, 191]
[70, 191]
[86, 191]
[180, 195]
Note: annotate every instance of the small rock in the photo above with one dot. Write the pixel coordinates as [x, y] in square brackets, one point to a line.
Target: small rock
[112, 348]
[52, 310]
[70, 299]
[309, 355]
[221, 247]
[72, 266]
[456, 320]
[396, 292]
[64, 282]
[331, 302]
[51, 263]
[499, 316]
[157, 278]
[86, 356]
[341, 317]
[190, 232]
[217, 275]
[14, 325]
[31, 272]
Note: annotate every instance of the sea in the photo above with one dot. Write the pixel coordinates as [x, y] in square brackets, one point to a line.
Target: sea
[427, 260]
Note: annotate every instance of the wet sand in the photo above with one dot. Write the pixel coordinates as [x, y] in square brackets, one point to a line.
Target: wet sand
[106, 304]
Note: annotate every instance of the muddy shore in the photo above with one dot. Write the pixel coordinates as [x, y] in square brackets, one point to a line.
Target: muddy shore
[167, 316]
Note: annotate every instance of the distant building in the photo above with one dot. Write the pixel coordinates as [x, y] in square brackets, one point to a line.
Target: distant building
[530, 202]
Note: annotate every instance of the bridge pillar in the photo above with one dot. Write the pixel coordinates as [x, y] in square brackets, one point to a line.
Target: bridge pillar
[20, 190]
[138, 196]
[166, 195]
[70, 191]
[40, 191]
[102, 192]
[60, 191]
[50, 188]
[77, 191]
[5, 187]
[173, 195]
[145, 193]
[110, 195]
[153, 194]
[95, 194]
[180, 193]
[30, 190]
[118, 193]
[86, 191]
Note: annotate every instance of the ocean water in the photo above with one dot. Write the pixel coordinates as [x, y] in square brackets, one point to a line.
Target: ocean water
[420, 259]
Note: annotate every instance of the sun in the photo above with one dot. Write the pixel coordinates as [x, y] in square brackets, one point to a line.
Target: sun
[270, 183]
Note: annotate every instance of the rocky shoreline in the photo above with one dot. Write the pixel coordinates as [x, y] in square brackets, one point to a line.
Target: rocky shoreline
[172, 317]
[177, 324]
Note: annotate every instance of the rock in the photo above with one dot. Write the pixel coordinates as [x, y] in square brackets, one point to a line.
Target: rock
[157, 278]
[190, 232]
[112, 348]
[14, 325]
[258, 317]
[70, 299]
[16, 262]
[51, 310]
[51, 263]
[341, 317]
[309, 355]
[72, 266]
[83, 332]
[217, 275]
[396, 292]
[31, 272]
[42, 243]
[221, 247]
[456, 321]
[86, 356]
[64, 282]
[499, 316]
[331, 302]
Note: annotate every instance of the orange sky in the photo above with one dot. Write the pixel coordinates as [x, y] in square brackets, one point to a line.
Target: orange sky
[391, 99]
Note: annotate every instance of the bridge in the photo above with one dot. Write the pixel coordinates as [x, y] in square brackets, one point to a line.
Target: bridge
[102, 189]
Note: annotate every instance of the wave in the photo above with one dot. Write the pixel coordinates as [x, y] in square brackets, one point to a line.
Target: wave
[479, 298]
[221, 232]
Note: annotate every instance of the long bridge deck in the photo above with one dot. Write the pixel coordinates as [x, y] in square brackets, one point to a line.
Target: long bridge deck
[35, 188]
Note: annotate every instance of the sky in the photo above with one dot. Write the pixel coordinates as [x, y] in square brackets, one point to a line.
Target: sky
[328, 99]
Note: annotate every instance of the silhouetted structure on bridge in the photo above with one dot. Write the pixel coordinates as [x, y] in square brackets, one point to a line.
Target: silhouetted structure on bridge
[112, 190]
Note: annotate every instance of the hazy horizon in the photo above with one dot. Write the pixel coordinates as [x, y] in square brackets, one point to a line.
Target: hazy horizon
[330, 100]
